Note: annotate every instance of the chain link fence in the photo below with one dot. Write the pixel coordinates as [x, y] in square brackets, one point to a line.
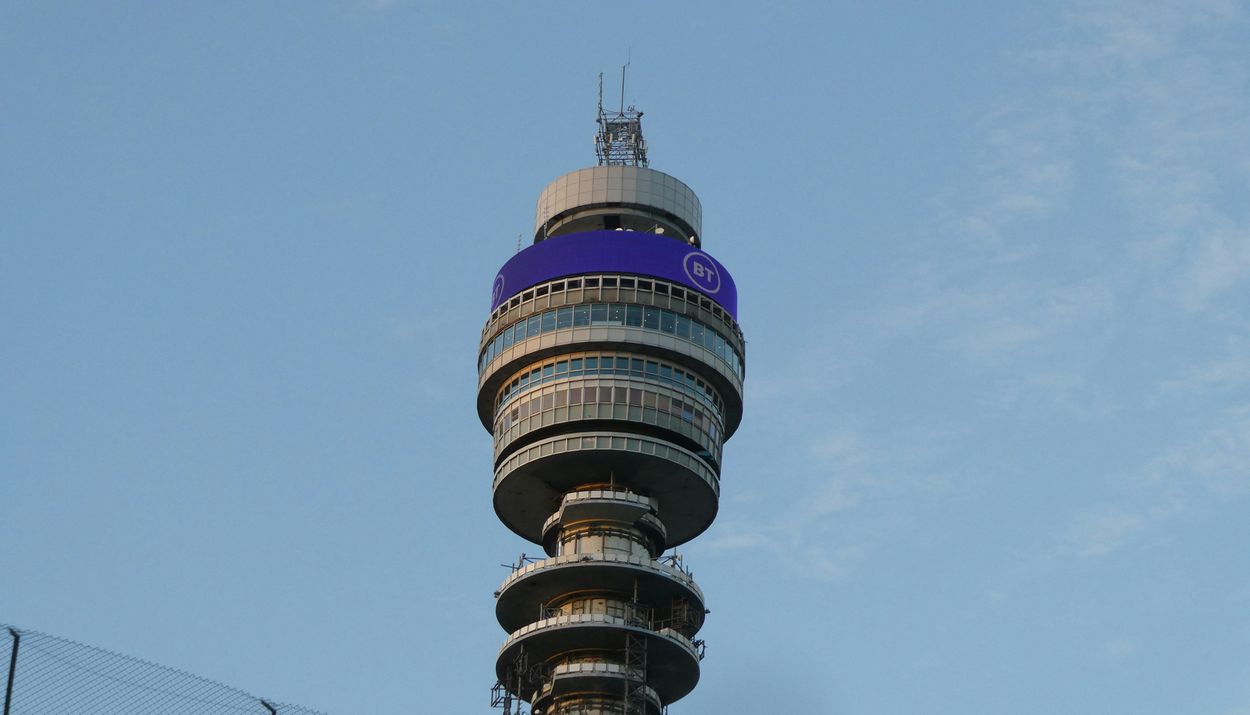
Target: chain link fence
[46, 675]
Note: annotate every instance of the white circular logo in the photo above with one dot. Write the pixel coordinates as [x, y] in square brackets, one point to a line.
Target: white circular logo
[497, 291]
[701, 271]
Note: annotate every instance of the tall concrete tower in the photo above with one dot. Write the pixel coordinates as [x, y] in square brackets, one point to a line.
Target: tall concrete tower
[610, 374]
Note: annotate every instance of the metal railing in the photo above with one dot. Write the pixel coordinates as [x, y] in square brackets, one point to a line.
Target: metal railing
[47, 675]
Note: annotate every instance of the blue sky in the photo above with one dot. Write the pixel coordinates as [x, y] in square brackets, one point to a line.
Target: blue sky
[993, 264]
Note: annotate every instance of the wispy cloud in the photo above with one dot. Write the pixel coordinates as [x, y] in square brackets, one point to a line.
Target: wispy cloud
[1099, 532]
[1216, 462]
[1048, 305]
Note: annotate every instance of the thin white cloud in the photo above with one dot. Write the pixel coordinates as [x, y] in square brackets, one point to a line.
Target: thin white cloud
[1098, 533]
[1215, 463]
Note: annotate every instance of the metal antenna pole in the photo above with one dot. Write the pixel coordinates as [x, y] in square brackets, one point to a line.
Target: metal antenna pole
[623, 68]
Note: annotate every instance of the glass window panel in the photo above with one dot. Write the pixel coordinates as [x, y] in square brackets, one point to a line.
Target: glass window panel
[575, 396]
[599, 314]
[507, 339]
[549, 321]
[653, 368]
[668, 321]
[635, 396]
[616, 313]
[683, 326]
[564, 317]
[592, 363]
[562, 398]
[635, 366]
[666, 372]
[581, 315]
[532, 326]
[696, 331]
[633, 316]
[548, 370]
[651, 318]
[622, 364]
[575, 365]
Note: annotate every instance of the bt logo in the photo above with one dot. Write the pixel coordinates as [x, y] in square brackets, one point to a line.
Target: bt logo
[701, 271]
[497, 291]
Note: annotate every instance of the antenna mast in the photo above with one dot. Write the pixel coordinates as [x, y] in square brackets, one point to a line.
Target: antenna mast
[619, 140]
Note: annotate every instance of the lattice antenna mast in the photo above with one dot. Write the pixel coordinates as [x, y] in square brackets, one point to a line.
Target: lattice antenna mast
[619, 141]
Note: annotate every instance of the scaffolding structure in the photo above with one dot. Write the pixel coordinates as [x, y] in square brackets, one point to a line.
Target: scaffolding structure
[619, 141]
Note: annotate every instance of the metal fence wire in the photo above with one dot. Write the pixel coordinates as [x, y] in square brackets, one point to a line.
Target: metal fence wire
[46, 675]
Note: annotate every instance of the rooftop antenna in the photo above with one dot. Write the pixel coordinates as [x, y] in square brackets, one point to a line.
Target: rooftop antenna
[624, 68]
[619, 140]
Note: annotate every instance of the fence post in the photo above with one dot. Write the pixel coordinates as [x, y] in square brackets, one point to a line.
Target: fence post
[8, 690]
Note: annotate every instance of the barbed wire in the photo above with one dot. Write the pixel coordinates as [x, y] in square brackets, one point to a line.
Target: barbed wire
[57, 676]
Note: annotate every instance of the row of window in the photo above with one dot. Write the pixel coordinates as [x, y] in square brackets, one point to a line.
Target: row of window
[593, 283]
[618, 314]
[582, 606]
[601, 540]
[590, 402]
[589, 364]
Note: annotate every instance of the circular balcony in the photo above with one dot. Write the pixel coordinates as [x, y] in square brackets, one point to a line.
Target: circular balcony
[522, 595]
[672, 660]
[530, 483]
[590, 682]
[607, 505]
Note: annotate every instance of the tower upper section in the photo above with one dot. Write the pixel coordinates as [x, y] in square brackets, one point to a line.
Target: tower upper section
[631, 198]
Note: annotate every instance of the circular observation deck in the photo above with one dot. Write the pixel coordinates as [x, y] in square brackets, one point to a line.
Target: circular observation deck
[680, 332]
[619, 197]
[529, 484]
